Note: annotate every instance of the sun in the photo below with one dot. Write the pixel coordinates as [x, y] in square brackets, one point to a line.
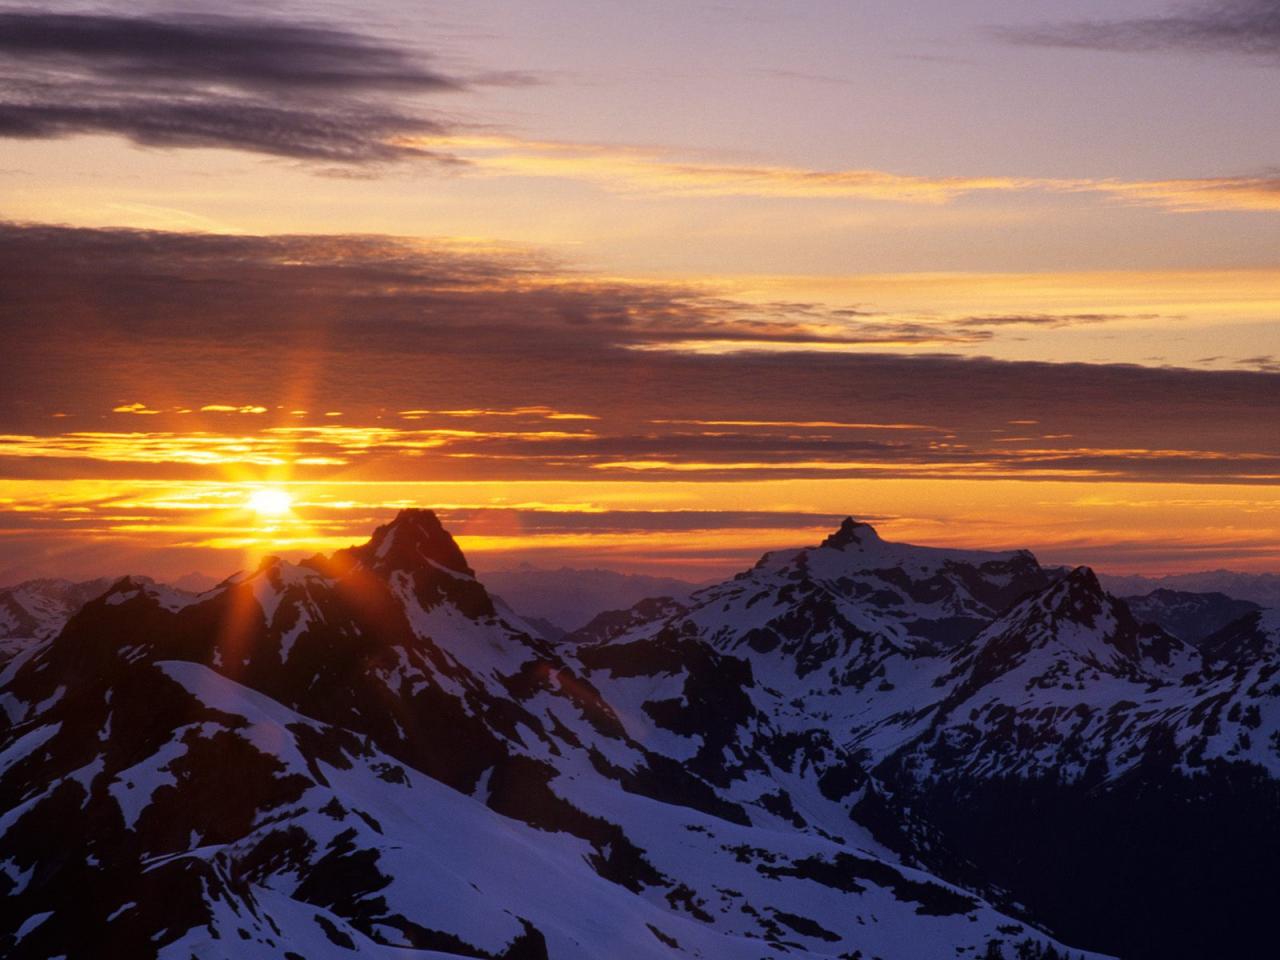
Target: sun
[270, 502]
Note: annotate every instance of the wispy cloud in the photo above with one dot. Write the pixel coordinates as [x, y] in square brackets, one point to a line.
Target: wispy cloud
[138, 409]
[1266, 362]
[660, 170]
[1244, 193]
[1049, 319]
[537, 412]
[307, 91]
[1248, 28]
[273, 446]
[665, 171]
[748, 449]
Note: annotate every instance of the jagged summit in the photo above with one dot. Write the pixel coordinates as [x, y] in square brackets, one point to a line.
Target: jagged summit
[851, 531]
[414, 536]
[129, 583]
[1076, 599]
[1078, 596]
[1074, 617]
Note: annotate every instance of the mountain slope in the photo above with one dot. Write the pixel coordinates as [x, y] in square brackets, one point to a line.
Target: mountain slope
[1055, 748]
[845, 638]
[1189, 616]
[1137, 766]
[363, 755]
[38, 608]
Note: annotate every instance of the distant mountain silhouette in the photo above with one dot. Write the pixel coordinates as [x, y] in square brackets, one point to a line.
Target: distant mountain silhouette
[565, 599]
[1262, 589]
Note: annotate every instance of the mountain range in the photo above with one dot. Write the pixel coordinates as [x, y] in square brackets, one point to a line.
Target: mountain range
[859, 749]
[1260, 588]
[560, 601]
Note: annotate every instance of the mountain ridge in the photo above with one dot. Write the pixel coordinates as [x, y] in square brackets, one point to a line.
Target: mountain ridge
[765, 765]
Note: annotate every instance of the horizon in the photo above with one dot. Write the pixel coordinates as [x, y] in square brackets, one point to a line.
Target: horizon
[671, 571]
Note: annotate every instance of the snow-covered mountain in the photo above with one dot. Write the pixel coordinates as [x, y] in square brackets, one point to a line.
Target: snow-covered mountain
[365, 755]
[1189, 616]
[37, 608]
[859, 749]
[1042, 739]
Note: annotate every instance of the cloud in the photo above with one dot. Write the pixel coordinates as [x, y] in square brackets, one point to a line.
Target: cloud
[136, 408]
[536, 412]
[653, 170]
[472, 376]
[1267, 363]
[650, 169]
[1244, 193]
[1051, 320]
[309, 92]
[1248, 28]
[398, 295]
[467, 361]
[346, 103]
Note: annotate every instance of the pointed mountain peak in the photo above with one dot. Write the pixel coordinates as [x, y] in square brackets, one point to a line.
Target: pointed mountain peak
[851, 532]
[415, 536]
[1072, 621]
[1078, 596]
[1083, 579]
[130, 585]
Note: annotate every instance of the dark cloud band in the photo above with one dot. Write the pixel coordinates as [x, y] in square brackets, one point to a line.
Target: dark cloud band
[176, 335]
[302, 91]
[249, 54]
[1241, 27]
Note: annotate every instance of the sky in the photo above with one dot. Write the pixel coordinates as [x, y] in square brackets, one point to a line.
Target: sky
[652, 286]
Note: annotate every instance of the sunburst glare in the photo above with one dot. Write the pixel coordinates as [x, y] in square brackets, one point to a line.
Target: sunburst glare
[270, 502]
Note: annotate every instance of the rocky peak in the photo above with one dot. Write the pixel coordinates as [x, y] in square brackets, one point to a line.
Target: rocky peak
[1251, 639]
[1078, 615]
[126, 587]
[1078, 597]
[414, 538]
[851, 532]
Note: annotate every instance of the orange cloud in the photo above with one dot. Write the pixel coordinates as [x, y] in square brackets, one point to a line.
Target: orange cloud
[661, 170]
[230, 408]
[138, 408]
[654, 169]
[543, 412]
[1259, 194]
